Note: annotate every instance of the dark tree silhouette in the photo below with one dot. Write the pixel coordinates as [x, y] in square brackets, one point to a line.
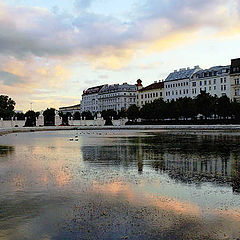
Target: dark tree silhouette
[6, 107]
[31, 118]
[87, 115]
[133, 112]
[49, 117]
[76, 116]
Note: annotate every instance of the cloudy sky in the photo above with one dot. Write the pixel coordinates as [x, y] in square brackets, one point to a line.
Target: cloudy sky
[50, 51]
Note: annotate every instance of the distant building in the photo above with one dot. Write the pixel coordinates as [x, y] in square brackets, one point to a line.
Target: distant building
[117, 97]
[215, 81]
[235, 79]
[70, 109]
[177, 84]
[150, 93]
[90, 99]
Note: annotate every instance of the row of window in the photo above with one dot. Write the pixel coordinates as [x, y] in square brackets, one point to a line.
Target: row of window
[184, 91]
[151, 95]
[116, 100]
[209, 82]
[173, 85]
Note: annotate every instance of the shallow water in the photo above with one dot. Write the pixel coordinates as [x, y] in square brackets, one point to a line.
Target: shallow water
[119, 185]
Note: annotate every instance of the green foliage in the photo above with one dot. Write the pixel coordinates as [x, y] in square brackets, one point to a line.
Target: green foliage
[19, 116]
[133, 112]
[205, 104]
[224, 107]
[49, 117]
[108, 115]
[6, 107]
[122, 114]
[188, 108]
[76, 116]
[87, 115]
[31, 118]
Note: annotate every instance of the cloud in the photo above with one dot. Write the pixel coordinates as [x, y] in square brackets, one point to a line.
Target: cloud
[9, 78]
[27, 31]
[38, 46]
[82, 4]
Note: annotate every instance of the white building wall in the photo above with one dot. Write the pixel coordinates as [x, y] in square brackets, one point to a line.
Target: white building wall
[90, 103]
[149, 96]
[175, 89]
[218, 85]
[117, 97]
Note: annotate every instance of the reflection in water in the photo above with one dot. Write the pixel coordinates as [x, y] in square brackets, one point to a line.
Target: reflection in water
[188, 159]
[119, 187]
[6, 150]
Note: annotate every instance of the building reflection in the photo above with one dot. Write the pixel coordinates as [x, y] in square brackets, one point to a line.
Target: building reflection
[201, 160]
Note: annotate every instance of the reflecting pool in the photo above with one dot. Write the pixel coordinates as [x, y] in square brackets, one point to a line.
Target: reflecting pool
[119, 185]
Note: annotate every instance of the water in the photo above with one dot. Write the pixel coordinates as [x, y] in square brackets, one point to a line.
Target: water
[119, 185]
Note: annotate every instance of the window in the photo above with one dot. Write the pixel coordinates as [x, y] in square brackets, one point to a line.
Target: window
[221, 80]
[214, 87]
[194, 84]
[205, 82]
[200, 83]
[237, 92]
[209, 82]
[214, 81]
[156, 94]
[210, 88]
[161, 94]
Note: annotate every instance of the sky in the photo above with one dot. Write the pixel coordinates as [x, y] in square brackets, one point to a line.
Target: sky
[50, 51]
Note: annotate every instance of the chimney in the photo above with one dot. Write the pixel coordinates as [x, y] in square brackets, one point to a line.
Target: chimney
[139, 84]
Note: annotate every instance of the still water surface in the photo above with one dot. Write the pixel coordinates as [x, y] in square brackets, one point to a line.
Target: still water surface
[119, 185]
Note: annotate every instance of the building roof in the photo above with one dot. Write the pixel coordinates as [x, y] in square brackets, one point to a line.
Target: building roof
[156, 85]
[92, 90]
[213, 71]
[74, 107]
[118, 88]
[183, 73]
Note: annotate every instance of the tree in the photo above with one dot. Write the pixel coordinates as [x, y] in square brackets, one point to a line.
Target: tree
[76, 116]
[49, 117]
[31, 118]
[186, 107]
[224, 107]
[236, 110]
[87, 115]
[19, 116]
[108, 115]
[122, 114]
[205, 104]
[6, 107]
[133, 112]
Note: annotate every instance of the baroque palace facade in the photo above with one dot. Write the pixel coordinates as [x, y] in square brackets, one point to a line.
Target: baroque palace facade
[185, 82]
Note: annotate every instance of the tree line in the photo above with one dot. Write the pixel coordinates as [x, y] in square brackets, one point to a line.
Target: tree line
[204, 107]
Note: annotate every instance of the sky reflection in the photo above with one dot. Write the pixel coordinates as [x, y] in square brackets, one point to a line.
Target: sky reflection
[139, 186]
